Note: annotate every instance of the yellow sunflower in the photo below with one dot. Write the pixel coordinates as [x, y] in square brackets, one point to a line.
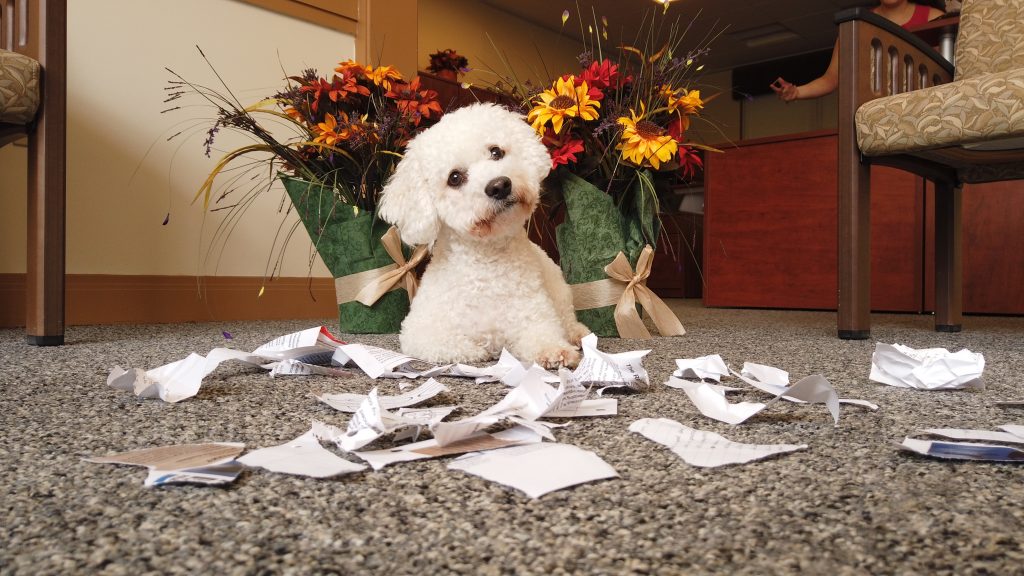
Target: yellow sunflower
[644, 142]
[563, 100]
[383, 75]
[687, 103]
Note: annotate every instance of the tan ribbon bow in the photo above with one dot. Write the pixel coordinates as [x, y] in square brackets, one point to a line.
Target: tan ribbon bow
[627, 321]
[400, 272]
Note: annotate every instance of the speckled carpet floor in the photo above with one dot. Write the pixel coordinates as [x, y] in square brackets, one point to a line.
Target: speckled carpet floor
[850, 504]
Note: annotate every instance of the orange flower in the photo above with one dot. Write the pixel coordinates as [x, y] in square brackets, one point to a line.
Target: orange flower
[413, 102]
[383, 75]
[331, 132]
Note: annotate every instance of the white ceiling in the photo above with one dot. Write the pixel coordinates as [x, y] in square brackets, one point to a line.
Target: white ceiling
[802, 25]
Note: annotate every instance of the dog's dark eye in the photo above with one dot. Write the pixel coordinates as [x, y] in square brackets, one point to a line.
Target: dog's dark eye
[497, 153]
[456, 178]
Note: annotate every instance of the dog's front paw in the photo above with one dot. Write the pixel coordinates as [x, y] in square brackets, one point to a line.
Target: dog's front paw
[576, 332]
[560, 357]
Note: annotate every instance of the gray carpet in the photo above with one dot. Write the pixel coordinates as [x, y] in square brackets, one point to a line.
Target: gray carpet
[850, 504]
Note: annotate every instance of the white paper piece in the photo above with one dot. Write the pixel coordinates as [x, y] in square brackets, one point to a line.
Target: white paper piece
[979, 435]
[350, 402]
[537, 469]
[711, 401]
[368, 423]
[289, 367]
[623, 371]
[313, 345]
[178, 380]
[531, 400]
[775, 381]
[303, 456]
[1015, 429]
[182, 379]
[926, 369]
[514, 436]
[703, 448]
[209, 463]
[963, 450]
[702, 368]
[381, 363]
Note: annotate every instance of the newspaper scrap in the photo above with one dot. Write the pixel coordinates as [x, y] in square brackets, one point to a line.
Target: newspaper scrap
[537, 469]
[368, 423]
[313, 345]
[926, 369]
[351, 402]
[531, 400]
[702, 368]
[963, 450]
[303, 456]
[775, 381]
[711, 401]
[289, 367]
[210, 463]
[1011, 404]
[703, 448]
[381, 363]
[621, 372]
[182, 379]
[425, 449]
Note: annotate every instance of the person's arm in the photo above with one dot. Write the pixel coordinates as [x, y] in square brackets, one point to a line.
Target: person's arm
[820, 86]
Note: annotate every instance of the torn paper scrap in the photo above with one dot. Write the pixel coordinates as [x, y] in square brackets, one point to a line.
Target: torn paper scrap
[514, 436]
[368, 423]
[678, 383]
[313, 345]
[703, 448]
[1008, 436]
[350, 402]
[711, 402]
[1011, 404]
[1015, 429]
[208, 463]
[775, 381]
[926, 369]
[379, 362]
[622, 371]
[303, 456]
[537, 469]
[963, 450]
[289, 367]
[702, 368]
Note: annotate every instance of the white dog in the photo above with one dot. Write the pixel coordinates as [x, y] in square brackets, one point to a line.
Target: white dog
[467, 186]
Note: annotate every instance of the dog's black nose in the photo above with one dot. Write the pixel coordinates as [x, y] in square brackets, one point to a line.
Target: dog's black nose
[499, 188]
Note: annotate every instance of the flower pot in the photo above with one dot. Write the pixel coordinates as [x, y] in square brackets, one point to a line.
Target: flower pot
[348, 241]
[595, 230]
[449, 75]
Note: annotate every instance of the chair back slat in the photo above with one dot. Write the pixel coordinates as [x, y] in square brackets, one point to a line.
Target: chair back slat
[990, 38]
[18, 26]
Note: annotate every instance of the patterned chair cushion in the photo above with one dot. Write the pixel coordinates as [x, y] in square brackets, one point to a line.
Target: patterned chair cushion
[983, 108]
[19, 88]
[991, 37]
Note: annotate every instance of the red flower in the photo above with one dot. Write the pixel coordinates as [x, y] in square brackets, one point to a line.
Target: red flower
[562, 148]
[678, 127]
[338, 89]
[601, 75]
[689, 162]
[413, 102]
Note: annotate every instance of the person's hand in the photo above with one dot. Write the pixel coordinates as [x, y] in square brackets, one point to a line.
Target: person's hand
[787, 91]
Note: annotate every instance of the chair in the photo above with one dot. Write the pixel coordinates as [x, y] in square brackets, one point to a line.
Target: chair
[902, 105]
[33, 68]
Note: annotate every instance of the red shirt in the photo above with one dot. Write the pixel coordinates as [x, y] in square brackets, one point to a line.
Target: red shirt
[921, 12]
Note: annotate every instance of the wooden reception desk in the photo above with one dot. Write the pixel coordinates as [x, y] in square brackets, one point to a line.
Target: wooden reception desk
[770, 232]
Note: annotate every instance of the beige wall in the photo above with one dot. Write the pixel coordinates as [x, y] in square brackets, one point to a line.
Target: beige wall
[465, 25]
[117, 51]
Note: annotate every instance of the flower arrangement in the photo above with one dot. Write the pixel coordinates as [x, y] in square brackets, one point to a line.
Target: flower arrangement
[448, 59]
[344, 132]
[616, 133]
[614, 121]
[333, 141]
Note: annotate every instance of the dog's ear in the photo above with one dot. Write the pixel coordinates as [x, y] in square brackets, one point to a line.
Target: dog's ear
[406, 202]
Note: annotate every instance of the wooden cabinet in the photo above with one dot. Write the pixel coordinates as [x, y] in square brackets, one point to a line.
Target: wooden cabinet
[770, 232]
